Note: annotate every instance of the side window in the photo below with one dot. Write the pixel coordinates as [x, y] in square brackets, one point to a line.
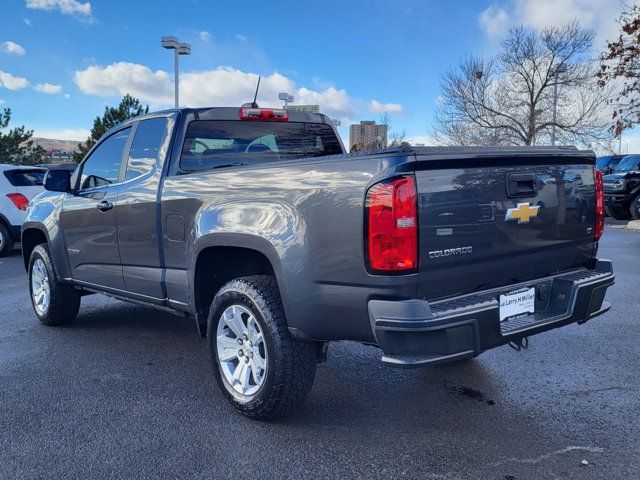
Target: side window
[102, 168]
[147, 147]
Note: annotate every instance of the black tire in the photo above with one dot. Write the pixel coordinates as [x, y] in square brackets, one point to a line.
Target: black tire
[634, 208]
[291, 364]
[64, 300]
[617, 214]
[6, 242]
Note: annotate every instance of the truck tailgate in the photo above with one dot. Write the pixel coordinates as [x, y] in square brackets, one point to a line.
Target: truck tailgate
[500, 223]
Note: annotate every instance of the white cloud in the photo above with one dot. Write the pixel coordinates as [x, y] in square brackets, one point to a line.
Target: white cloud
[242, 38]
[601, 15]
[67, 7]
[204, 36]
[67, 96]
[494, 21]
[123, 77]
[48, 88]
[12, 47]
[78, 134]
[2, 102]
[27, 22]
[11, 82]
[224, 86]
[376, 107]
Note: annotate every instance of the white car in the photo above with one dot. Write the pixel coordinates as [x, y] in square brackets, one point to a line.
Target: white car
[18, 185]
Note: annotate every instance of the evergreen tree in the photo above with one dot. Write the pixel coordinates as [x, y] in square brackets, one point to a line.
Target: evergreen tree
[129, 107]
[16, 145]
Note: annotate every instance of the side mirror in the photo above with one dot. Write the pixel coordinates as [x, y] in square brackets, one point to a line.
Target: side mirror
[58, 181]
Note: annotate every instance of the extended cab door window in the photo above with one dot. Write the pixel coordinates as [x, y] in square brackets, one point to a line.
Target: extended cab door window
[147, 147]
[102, 168]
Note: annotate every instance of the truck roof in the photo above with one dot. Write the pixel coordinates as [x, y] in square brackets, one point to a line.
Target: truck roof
[232, 113]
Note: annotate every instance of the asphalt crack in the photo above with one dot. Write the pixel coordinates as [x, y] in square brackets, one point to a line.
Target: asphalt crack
[547, 456]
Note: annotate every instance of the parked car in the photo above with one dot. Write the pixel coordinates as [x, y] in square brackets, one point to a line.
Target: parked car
[18, 185]
[607, 163]
[622, 189]
[256, 224]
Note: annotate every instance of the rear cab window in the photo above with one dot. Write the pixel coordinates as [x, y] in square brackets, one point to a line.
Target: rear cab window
[224, 143]
[25, 178]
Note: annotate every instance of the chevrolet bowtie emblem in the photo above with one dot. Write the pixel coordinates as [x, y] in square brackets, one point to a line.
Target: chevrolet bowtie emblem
[523, 213]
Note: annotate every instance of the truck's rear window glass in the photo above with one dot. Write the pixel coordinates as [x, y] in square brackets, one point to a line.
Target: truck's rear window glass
[25, 178]
[219, 143]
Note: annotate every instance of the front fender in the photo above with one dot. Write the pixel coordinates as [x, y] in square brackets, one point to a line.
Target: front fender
[43, 214]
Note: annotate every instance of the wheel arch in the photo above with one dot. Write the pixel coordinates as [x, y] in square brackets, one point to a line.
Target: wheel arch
[32, 237]
[219, 260]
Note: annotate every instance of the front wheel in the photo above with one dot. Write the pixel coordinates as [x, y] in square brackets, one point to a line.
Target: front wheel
[618, 214]
[262, 371]
[54, 302]
[634, 208]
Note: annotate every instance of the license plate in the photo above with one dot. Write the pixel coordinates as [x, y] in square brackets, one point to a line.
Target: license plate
[517, 303]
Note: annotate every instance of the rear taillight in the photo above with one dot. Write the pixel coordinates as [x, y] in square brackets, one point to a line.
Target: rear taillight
[20, 201]
[264, 114]
[599, 224]
[392, 226]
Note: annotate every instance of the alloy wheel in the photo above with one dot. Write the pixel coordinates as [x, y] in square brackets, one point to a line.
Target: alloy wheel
[40, 288]
[241, 350]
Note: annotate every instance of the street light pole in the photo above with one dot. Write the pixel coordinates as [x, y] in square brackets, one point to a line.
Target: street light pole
[176, 73]
[562, 68]
[620, 143]
[172, 43]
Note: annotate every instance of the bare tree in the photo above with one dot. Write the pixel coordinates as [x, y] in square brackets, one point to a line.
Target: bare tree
[620, 69]
[394, 138]
[509, 99]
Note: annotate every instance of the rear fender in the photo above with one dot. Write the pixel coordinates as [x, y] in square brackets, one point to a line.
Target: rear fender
[272, 229]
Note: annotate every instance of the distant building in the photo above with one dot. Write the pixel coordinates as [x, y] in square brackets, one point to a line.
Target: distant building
[304, 108]
[367, 135]
[56, 151]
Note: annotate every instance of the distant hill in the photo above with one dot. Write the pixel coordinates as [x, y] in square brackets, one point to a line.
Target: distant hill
[49, 144]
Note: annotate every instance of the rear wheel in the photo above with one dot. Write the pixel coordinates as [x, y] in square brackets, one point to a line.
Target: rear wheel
[6, 242]
[54, 302]
[262, 371]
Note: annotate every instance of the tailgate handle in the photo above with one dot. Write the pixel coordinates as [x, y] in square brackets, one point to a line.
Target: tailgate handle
[521, 185]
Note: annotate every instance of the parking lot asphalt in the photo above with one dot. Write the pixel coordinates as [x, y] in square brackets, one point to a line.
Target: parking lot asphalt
[127, 392]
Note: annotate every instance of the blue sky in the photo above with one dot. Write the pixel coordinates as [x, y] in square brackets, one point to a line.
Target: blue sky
[62, 61]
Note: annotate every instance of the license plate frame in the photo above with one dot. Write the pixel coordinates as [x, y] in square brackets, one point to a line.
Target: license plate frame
[517, 303]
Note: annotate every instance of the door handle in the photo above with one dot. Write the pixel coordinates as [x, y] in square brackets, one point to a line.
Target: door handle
[104, 206]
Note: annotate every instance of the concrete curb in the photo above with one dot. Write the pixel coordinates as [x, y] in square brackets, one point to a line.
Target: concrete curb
[633, 225]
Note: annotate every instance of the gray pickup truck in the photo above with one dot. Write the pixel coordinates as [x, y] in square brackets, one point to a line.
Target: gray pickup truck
[257, 225]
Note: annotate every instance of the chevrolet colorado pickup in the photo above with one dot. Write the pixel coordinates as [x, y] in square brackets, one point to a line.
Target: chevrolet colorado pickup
[257, 225]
